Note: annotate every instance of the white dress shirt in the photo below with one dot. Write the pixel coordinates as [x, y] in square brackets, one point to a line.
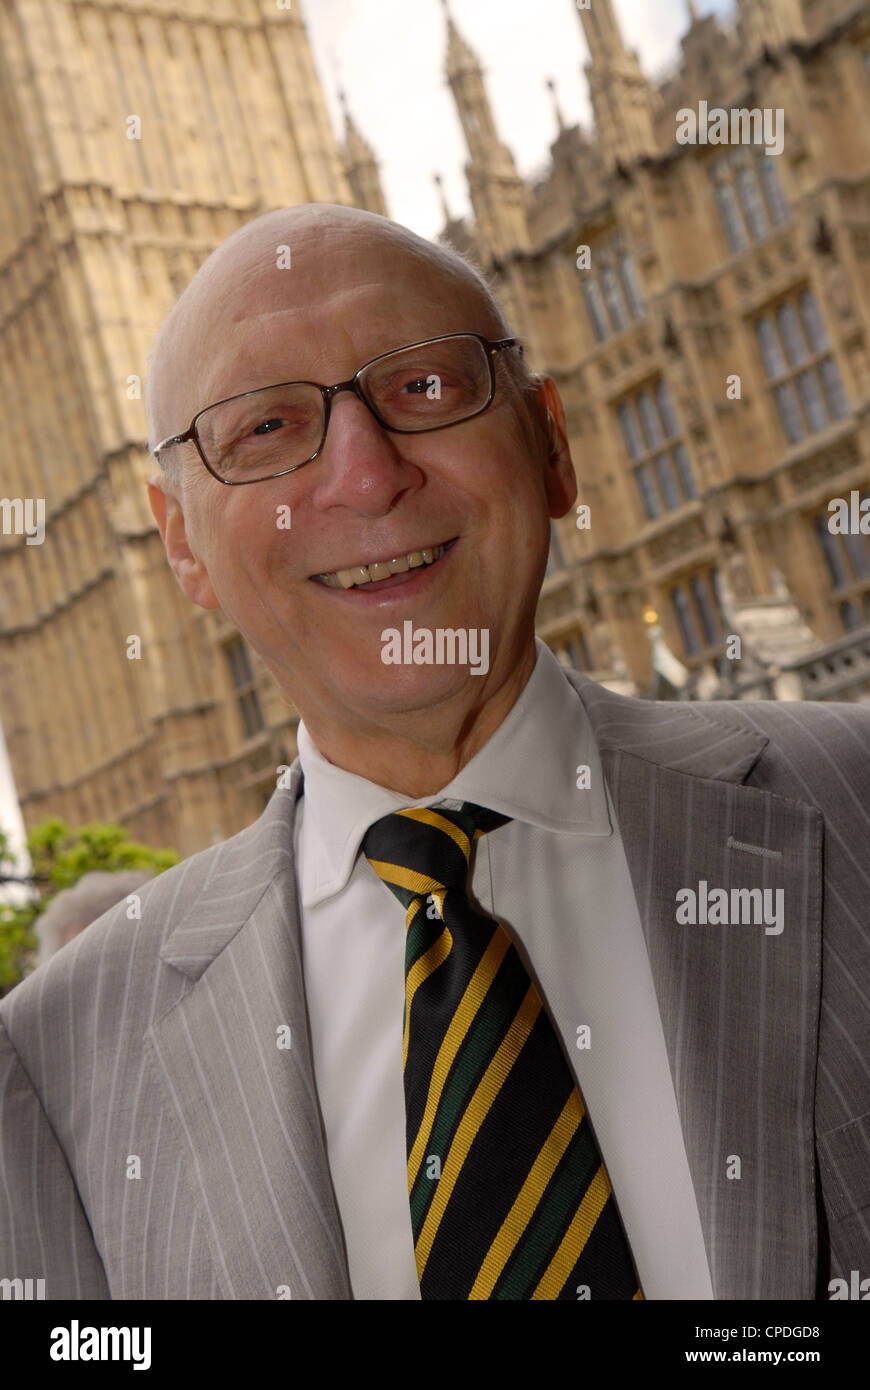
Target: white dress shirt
[556, 876]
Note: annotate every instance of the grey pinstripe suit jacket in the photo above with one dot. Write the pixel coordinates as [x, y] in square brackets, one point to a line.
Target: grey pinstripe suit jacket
[157, 1038]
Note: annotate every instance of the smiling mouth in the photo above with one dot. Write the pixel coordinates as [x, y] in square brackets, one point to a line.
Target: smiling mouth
[379, 570]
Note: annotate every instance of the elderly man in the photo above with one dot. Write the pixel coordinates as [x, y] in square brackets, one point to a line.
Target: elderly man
[519, 989]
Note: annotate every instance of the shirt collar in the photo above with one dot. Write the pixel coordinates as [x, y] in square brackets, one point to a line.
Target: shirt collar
[528, 769]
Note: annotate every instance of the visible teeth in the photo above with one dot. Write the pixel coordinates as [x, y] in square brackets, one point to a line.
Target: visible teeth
[382, 569]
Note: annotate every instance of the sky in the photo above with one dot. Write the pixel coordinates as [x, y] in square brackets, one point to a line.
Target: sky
[388, 56]
[391, 66]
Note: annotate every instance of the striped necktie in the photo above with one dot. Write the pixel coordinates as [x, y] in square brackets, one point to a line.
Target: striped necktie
[509, 1195]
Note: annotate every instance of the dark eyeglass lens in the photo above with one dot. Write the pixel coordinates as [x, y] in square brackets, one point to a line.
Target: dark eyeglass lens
[420, 388]
[262, 433]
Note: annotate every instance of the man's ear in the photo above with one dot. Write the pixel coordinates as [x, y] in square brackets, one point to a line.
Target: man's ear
[190, 572]
[559, 478]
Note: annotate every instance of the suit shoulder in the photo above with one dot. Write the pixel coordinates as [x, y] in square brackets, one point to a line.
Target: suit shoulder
[829, 727]
[816, 751]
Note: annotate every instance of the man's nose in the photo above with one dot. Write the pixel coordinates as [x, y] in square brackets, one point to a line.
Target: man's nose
[361, 465]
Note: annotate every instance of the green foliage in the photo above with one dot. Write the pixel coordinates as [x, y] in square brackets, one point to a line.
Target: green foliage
[60, 857]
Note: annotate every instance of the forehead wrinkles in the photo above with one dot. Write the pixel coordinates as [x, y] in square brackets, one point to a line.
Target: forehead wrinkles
[324, 339]
[345, 274]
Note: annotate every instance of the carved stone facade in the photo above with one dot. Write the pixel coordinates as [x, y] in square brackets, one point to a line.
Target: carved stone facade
[705, 311]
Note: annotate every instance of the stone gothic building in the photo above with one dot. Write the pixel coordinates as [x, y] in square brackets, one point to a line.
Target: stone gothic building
[705, 310]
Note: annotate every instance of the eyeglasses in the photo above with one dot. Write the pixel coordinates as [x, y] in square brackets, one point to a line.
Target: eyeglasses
[276, 429]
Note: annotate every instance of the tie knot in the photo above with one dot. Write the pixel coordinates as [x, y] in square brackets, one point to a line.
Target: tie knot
[421, 851]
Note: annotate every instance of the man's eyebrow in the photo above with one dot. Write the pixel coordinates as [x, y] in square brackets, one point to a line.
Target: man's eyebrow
[287, 371]
[227, 388]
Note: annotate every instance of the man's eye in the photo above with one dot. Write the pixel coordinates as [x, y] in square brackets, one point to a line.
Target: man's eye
[290, 422]
[432, 384]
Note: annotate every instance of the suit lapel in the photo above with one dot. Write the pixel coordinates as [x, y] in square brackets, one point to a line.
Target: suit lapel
[244, 1107]
[739, 1004]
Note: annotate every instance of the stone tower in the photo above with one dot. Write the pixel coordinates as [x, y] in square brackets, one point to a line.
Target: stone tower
[134, 137]
[620, 94]
[360, 166]
[769, 24]
[498, 194]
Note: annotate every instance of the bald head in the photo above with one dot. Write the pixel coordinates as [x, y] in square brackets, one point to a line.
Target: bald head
[284, 259]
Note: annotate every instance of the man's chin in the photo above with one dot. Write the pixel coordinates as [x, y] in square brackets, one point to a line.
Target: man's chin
[407, 689]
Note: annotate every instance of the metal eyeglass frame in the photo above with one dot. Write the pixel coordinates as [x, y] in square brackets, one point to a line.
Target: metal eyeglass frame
[327, 392]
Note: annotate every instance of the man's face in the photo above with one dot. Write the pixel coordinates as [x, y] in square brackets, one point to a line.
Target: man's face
[486, 485]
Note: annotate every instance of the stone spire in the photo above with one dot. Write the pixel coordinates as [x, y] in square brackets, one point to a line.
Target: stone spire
[557, 110]
[498, 194]
[620, 94]
[602, 31]
[438, 180]
[360, 166]
[460, 57]
[769, 24]
[465, 76]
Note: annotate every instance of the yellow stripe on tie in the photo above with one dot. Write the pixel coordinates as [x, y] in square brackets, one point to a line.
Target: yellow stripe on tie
[514, 1225]
[418, 904]
[475, 1113]
[427, 817]
[407, 878]
[574, 1240]
[420, 971]
[466, 1011]
[637, 1296]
